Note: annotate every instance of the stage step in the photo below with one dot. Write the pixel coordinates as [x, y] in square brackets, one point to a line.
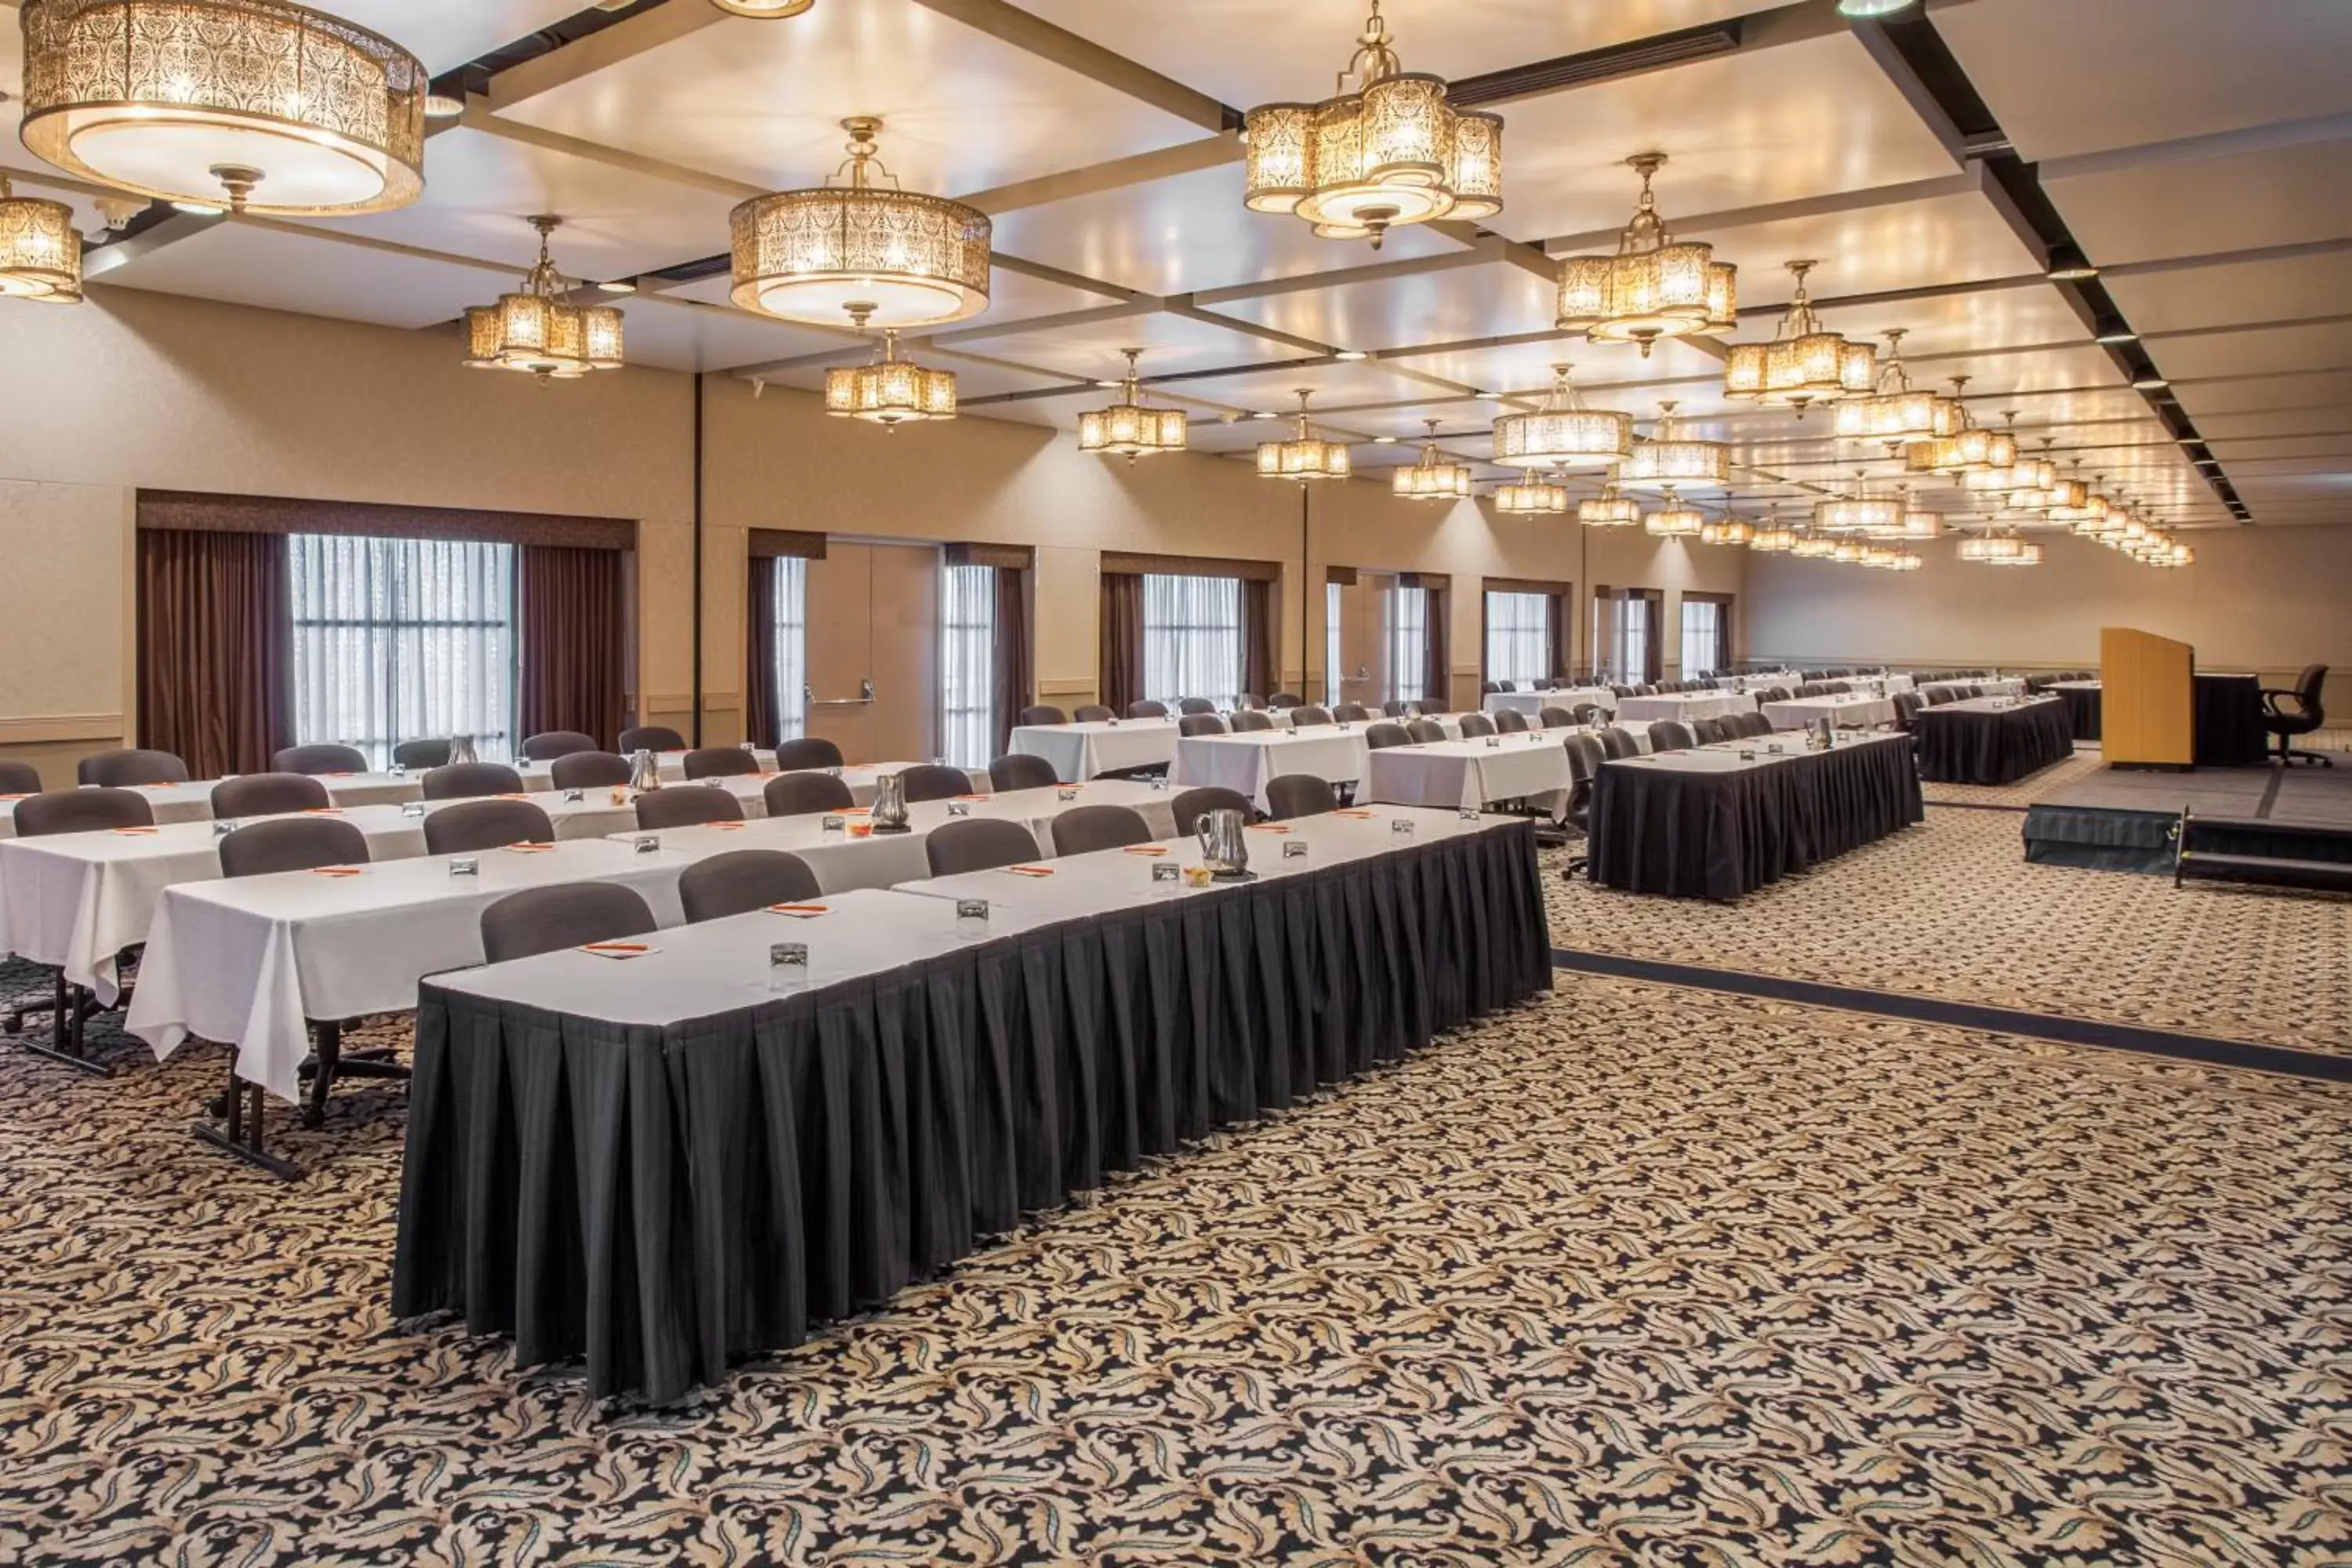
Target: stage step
[2315, 857]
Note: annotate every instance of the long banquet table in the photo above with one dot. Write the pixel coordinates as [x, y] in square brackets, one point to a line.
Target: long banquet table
[1992, 740]
[1708, 823]
[1533, 703]
[1252, 760]
[2085, 703]
[1531, 767]
[657, 1164]
[1683, 707]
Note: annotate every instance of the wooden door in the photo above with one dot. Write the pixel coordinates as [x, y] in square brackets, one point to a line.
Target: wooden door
[873, 651]
[1363, 638]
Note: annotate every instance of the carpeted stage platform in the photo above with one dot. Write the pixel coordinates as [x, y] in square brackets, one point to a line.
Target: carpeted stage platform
[2122, 820]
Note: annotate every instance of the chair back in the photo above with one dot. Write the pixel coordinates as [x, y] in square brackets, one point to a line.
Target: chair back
[688, 807]
[1906, 709]
[572, 914]
[589, 770]
[466, 781]
[547, 745]
[2307, 686]
[1094, 713]
[1083, 829]
[320, 759]
[720, 763]
[1352, 713]
[1584, 713]
[1309, 714]
[651, 738]
[1489, 688]
[1619, 743]
[1284, 699]
[1477, 726]
[19, 778]
[934, 781]
[1509, 721]
[1293, 795]
[478, 825]
[292, 844]
[978, 844]
[82, 811]
[1387, 733]
[1146, 708]
[1425, 732]
[1396, 708]
[1200, 724]
[1585, 755]
[741, 880]
[1195, 804]
[1558, 718]
[131, 767]
[809, 751]
[1044, 713]
[1670, 735]
[806, 794]
[1188, 705]
[268, 795]
[1706, 732]
[1250, 719]
[1021, 771]
[418, 755]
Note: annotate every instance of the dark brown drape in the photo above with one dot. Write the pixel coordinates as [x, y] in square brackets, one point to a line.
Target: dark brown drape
[573, 631]
[1016, 680]
[1121, 677]
[215, 639]
[763, 713]
[1556, 638]
[1438, 681]
[1258, 677]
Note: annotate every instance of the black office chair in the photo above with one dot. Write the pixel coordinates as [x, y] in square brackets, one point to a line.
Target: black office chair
[741, 880]
[1083, 829]
[478, 824]
[268, 795]
[321, 759]
[1094, 713]
[19, 778]
[1146, 708]
[1489, 688]
[572, 914]
[418, 755]
[652, 738]
[1200, 724]
[589, 770]
[1044, 714]
[87, 810]
[1021, 771]
[806, 794]
[810, 751]
[978, 844]
[131, 767]
[720, 763]
[1670, 735]
[688, 806]
[1585, 755]
[554, 743]
[1294, 795]
[2302, 718]
[466, 781]
[1509, 721]
[1195, 804]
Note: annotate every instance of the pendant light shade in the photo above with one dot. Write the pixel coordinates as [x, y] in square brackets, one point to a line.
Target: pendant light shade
[1773, 537]
[40, 254]
[537, 329]
[764, 10]
[1654, 287]
[1672, 519]
[1804, 363]
[1563, 433]
[1305, 456]
[1609, 509]
[856, 252]
[256, 105]
[1894, 410]
[891, 391]
[1432, 478]
[1969, 448]
[1860, 512]
[1127, 428]
[1727, 531]
[1667, 458]
[1531, 496]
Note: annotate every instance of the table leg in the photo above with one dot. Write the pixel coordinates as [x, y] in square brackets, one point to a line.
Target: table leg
[67, 1037]
[242, 1135]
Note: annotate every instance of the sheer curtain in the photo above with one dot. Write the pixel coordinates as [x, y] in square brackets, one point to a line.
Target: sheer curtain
[968, 665]
[401, 639]
[1408, 644]
[1332, 674]
[1193, 638]
[1633, 640]
[791, 646]
[1519, 638]
[1702, 636]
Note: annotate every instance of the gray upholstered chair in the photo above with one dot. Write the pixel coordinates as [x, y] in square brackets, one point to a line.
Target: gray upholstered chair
[806, 794]
[1021, 771]
[1352, 713]
[1083, 829]
[268, 795]
[1309, 714]
[1187, 705]
[1509, 721]
[551, 744]
[651, 738]
[1252, 719]
[571, 914]
[1094, 713]
[131, 767]
[82, 811]
[720, 763]
[1195, 804]
[589, 770]
[688, 806]
[292, 844]
[1200, 724]
[1294, 795]
[1044, 713]
[1396, 708]
[741, 880]
[1670, 735]
[467, 781]
[1146, 708]
[808, 752]
[1477, 726]
[418, 755]
[1619, 743]
[1284, 699]
[1425, 732]
[320, 759]
[19, 778]
[934, 781]
[478, 825]
[978, 844]
[1585, 713]
[1557, 719]
[1387, 733]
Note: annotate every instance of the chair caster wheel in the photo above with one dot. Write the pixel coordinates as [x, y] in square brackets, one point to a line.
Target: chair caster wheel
[14, 1024]
[217, 1108]
[313, 1117]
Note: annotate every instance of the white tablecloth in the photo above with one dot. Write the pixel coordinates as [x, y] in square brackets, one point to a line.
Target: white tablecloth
[1079, 751]
[1683, 706]
[1852, 711]
[192, 802]
[1248, 763]
[1531, 767]
[248, 962]
[1533, 703]
[1754, 683]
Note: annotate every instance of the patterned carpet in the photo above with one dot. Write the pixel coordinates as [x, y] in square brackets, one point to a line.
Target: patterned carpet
[1635, 1275]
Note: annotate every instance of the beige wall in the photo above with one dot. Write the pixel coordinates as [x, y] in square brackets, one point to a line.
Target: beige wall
[2265, 599]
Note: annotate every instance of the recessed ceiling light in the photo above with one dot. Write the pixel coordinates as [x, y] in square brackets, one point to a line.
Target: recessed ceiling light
[198, 209]
[618, 286]
[1111, 385]
[1350, 355]
[2068, 265]
[1384, 440]
[2150, 384]
[443, 105]
[2120, 335]
[1875, 8]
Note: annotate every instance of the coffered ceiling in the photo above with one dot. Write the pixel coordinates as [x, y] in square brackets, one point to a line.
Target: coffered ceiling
[2195, 150]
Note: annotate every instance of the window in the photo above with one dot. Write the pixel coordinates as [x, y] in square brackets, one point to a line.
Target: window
[1332, 674]
[1630, 657]
[401, 639]
[1518, 639]
[1408, 644]
[791, 646]
[1193, 638]
[968, 665]
[1706, 641]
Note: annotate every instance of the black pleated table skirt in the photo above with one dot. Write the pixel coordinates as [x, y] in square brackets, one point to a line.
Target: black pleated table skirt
[1976, 744]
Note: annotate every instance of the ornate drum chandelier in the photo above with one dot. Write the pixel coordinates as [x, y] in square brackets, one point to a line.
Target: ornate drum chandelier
[857, 252]
[1999, 549]
[1804, 363]
[764, 10]
[1672, 519]
[1895, 411]
[891, 391]
[1774, 538]
[256, 105]
[1530, 496]
[1432, 478]
[1728, 530]
[2038, 487]
[1563, 433]
[1393, 152]
[536, 329]
[1654, 287]
[1860, 512]
[1304, 456]
[1127, 428]
[1667, 459]
[1609, 509]
[1814, 547]
[40, 254]
[1968, 449]
[1918, 522]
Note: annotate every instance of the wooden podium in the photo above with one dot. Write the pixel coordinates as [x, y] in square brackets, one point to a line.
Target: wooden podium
[2150, 701]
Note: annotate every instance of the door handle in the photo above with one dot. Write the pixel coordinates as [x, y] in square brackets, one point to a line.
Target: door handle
[864, 698]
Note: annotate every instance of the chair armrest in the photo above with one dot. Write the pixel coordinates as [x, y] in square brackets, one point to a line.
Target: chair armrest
[2270, 701]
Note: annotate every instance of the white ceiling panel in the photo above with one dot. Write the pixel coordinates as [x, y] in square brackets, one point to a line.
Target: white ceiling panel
[1171, 343]
[2257, 395]
[2289, 289]
[1189, 233]
[1335, 386]
[1993, 376]
[2272, 349]
[1601, 368]
[676, 335]
[762, 103]
[2068, 77]
[448, 33]
[2281, 422]
[2285, 195]
[244, 263]
[2334, 444]
[1872, 250]
[2029, 315]
[1491, 299]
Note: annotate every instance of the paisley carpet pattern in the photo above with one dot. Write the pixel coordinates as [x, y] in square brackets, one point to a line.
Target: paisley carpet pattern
[1634, 1275]
[1951, 909]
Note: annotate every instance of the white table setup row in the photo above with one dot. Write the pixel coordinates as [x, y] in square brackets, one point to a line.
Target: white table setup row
[192, 801]
[1683, 706]
[781, 1118]
[1568, 699]
[1097, 746]
[1531, 766]
[1847, 710]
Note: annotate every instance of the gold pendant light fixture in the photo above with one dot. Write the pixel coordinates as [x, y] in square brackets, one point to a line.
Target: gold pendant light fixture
[1654, 287]
[1894, 410]
[2088, 514]
[1804, 363]
[1609, 509]
[255, 105]
[2004, 479]
[40, 254]
[1999, 549]
[1968, 449]
[1773, 537]
[1563, 433]
[1531, 496]
[1860, 512]
[1129, 429]
[1729, 528]
[1666, 459]
[1432, 478]
[858, 252]
[1810, 547]
[1390, 152]
[1674, 519]
[764, 10]
[1918, 522]
[537, 329]
[890, 391]
[1305, 456]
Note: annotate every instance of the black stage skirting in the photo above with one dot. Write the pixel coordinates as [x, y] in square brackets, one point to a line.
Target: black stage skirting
[659, 1200]
[1978, 747]
[2230, 732]
[1720, 834]
[2084, 710]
